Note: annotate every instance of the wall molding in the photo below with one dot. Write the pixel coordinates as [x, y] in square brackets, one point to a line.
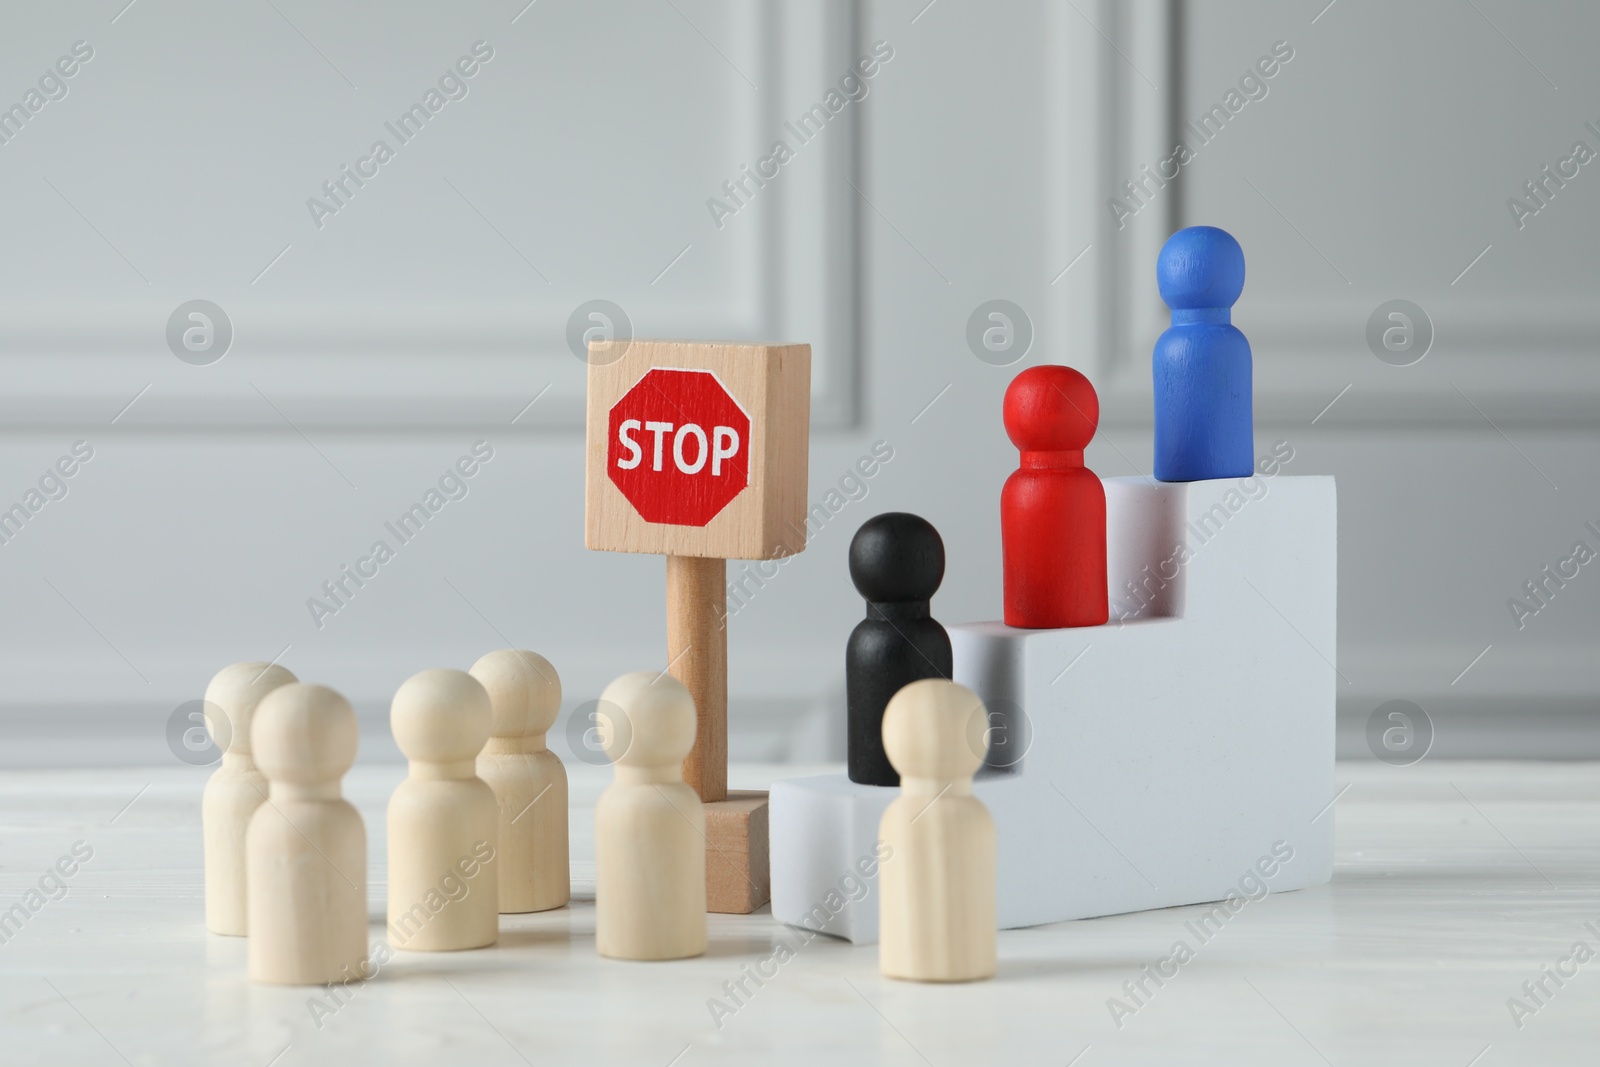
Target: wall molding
[327, 365]
[1307, 352]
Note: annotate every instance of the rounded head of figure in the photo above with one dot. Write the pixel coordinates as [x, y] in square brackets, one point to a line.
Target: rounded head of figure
[232, 697]
[524, 690]
[304, 734]
[441, 716]
[1200, 267]
[897, 557]
[1051, 408]
[646, 720]
[928, 730]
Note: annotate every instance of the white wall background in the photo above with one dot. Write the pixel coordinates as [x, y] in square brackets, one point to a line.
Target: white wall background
[430, 310]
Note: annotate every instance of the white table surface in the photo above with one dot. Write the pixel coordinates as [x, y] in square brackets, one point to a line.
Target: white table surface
[1455, 883]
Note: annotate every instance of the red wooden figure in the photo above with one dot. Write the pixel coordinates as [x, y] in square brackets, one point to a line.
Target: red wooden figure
[1053, 508]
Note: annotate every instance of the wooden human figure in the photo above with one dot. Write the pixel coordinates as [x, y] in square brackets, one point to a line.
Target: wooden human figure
[936, 910]
[234, 790]
[1053, 508]
[444, 824]
[306, 849]
[896, 563]
[649, 826]
[529, 782]
[1201, 364]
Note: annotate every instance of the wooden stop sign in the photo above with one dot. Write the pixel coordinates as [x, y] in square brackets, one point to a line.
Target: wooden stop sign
[698, 452]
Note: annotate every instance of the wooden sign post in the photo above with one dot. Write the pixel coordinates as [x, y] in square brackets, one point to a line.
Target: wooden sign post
[699, 452]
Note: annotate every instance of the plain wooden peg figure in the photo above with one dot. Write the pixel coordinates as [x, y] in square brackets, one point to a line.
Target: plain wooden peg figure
[306, 850]
[936, 914]
[649, 826]
[444, 824]
[234, 790]
[529, 782]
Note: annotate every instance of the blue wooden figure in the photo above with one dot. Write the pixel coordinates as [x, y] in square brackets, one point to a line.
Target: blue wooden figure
[1202, 362]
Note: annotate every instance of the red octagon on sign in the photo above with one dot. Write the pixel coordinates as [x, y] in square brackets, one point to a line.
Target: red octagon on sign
[678, 447]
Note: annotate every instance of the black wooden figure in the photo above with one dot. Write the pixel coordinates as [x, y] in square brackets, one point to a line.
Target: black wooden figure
[896, 563]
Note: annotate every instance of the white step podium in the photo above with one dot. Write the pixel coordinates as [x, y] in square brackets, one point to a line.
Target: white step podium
[1162, 759]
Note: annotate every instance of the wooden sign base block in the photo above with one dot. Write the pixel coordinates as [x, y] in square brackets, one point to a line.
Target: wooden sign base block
[738, 878]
